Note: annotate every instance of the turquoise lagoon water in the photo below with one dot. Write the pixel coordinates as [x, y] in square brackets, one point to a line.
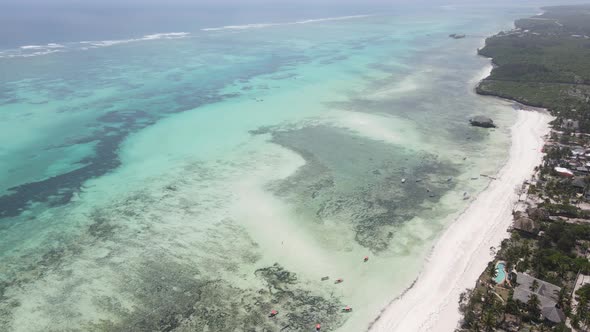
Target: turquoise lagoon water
[195, 181]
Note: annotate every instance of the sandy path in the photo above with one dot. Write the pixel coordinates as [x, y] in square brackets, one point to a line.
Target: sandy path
[463, 251]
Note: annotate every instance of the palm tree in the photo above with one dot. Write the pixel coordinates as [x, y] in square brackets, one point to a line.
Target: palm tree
[489, 321]
[534, 286]
[499, 310]
[561, 270]
[533, 307]
[582, 312]
[491, 270]
[562, 297]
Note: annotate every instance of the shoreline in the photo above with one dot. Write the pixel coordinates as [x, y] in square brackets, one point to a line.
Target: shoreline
[432, 301]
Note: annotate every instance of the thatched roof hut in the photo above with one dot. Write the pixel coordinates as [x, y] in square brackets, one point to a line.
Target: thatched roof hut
[538, 214]
[527, 225]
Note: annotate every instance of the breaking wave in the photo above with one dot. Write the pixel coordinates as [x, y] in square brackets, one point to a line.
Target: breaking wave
[170, 35]
[40, 47]
[36, 50]
[266, 25]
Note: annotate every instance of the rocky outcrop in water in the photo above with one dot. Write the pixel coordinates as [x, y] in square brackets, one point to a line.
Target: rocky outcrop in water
[482, 121]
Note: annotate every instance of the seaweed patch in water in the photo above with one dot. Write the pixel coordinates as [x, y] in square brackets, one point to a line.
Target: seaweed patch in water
[359, 184]
[170, 296]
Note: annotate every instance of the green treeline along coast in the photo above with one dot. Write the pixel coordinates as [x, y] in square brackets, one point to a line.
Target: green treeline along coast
[544, 62]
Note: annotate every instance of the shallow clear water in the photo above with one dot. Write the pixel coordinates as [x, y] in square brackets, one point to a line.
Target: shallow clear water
[196, 181]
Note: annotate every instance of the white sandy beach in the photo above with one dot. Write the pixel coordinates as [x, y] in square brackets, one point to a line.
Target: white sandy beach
[463, 251]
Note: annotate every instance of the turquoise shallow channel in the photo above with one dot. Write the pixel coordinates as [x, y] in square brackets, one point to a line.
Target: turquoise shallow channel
[199, 180]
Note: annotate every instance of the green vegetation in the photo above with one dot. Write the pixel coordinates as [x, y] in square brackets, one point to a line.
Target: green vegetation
[552, 257]
[544, 62]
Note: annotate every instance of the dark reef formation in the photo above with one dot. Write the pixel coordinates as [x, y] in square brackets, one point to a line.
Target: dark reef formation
[359, 184]
[482, 121]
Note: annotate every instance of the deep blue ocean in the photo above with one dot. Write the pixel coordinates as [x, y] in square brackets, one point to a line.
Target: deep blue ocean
[43, 23]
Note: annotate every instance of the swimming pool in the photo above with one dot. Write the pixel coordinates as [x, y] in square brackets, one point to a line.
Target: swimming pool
[500, 273]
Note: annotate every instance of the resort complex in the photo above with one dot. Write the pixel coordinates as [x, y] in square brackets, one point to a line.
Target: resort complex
[539, 279]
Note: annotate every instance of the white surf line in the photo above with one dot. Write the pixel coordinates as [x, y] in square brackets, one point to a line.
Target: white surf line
[266, 25]
[463, 250]
[36, 50]
[156, 36]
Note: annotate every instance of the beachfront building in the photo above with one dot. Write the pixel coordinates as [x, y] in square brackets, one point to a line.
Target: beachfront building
[547, 294]
[579, 183]
[569, 124]
[524, 224]
[564, 171]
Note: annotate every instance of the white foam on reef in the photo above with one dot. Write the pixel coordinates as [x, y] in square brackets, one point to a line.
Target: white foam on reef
[266, 25]
[40, 47]
[37, 50]
[241, 27]
[170, 35]
[28, 55]
[332, 19]
[31, 47]
[483, 74]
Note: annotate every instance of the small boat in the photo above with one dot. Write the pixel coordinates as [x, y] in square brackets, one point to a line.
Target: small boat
[347, 309]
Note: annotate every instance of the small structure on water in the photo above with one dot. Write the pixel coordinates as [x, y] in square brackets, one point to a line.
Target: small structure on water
[457, 36]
